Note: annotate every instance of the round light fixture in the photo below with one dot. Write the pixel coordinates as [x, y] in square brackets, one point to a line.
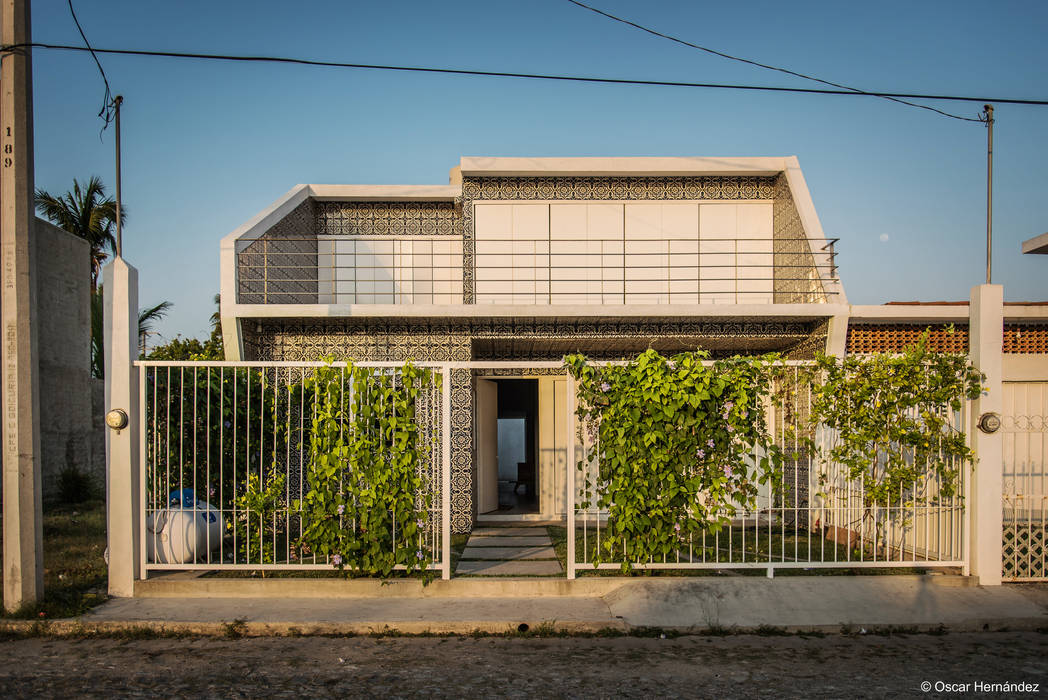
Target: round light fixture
[989, 422]
[116, 419]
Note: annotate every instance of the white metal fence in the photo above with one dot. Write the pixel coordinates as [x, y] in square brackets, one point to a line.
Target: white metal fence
[815, 517]
[225, 452]
[1024, 428]
[217, 435]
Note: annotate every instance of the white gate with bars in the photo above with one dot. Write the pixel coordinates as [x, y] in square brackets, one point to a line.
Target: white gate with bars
[216, 435]
[816, 518]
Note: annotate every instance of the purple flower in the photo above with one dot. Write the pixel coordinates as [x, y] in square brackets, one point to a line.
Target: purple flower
[341, 509]
[745, 414]
[727, 470]
[728, 405]
[336, 560]
[710, 443]
[701, 453]
[419, 555]
[605, 387]
[677, 527]
[419, 522]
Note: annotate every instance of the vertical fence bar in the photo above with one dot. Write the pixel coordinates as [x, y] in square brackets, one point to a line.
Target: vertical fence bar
[143, 376]
[287, 471]
[445, 484]
[207, 459]
[966, 513]
[570, 480]
[221, 455]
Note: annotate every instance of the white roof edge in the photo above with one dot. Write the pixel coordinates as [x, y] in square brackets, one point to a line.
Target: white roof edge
[803, 311]
[907, 313]
[1038, 245]
[265, 219]
[812, 227]
[603, 166]
[417, 193]
[920, 313]
[227, 273]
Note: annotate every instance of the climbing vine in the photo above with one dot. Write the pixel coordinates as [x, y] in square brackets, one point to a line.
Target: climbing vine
[257, 521]
[673, 440]
[893, 419]
[366, 509]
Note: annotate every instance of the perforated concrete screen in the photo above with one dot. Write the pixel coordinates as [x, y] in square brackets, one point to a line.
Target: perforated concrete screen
[624, 253]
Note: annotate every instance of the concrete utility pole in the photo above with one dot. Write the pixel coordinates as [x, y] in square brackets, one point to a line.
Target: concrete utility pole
[23, 536]
[117, 101]
[988, 118]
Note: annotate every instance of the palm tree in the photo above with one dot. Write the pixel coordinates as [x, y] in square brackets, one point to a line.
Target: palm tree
[85, 212]
[98, 357]
[216, 318]
[146, 319]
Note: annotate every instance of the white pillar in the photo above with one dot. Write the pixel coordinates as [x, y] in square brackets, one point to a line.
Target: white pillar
[837, 336]
[120, 282]
[985, 347]
[23, 532]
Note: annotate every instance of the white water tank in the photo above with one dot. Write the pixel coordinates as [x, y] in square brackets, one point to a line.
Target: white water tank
[182, 535]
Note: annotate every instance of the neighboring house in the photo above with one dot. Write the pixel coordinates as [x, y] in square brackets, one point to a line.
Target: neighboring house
[527, 259]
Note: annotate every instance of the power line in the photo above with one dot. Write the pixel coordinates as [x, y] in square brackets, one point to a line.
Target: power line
[505, 74]
[107, 100]
[787, 71]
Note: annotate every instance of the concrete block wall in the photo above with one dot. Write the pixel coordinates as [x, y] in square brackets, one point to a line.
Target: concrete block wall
[70, 432]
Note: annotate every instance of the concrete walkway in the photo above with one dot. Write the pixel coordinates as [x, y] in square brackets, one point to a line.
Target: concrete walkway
[509, 551]
[821, 603]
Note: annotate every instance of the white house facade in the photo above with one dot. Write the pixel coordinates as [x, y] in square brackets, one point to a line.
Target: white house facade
[528, 259]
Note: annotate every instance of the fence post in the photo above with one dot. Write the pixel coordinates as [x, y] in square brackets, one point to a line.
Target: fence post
[120, 284]
[570, 480]
[986, 328]
[445, 485]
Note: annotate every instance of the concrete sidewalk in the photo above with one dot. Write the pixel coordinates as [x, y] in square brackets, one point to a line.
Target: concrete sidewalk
[823, 603]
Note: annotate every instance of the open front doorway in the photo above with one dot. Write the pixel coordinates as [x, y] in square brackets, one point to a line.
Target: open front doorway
[507, 446]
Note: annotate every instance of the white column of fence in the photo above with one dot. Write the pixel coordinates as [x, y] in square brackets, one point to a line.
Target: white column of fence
[122, 397]
[985, 349]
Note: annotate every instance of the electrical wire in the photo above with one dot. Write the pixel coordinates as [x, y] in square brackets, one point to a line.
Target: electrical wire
[787, 71]
[106, 113]
[504, 74]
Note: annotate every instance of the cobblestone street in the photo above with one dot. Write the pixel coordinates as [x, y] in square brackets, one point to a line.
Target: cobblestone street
[743, 666]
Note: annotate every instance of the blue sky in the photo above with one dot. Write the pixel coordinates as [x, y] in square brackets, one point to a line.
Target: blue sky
[207, 145]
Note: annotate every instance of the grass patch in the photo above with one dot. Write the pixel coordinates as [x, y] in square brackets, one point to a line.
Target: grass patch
[235, 629]
[75, 574]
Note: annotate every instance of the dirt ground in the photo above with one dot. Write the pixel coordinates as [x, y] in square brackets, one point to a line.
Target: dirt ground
[742, 666]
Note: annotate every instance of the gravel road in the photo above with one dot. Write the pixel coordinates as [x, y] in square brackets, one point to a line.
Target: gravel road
[742, 666]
